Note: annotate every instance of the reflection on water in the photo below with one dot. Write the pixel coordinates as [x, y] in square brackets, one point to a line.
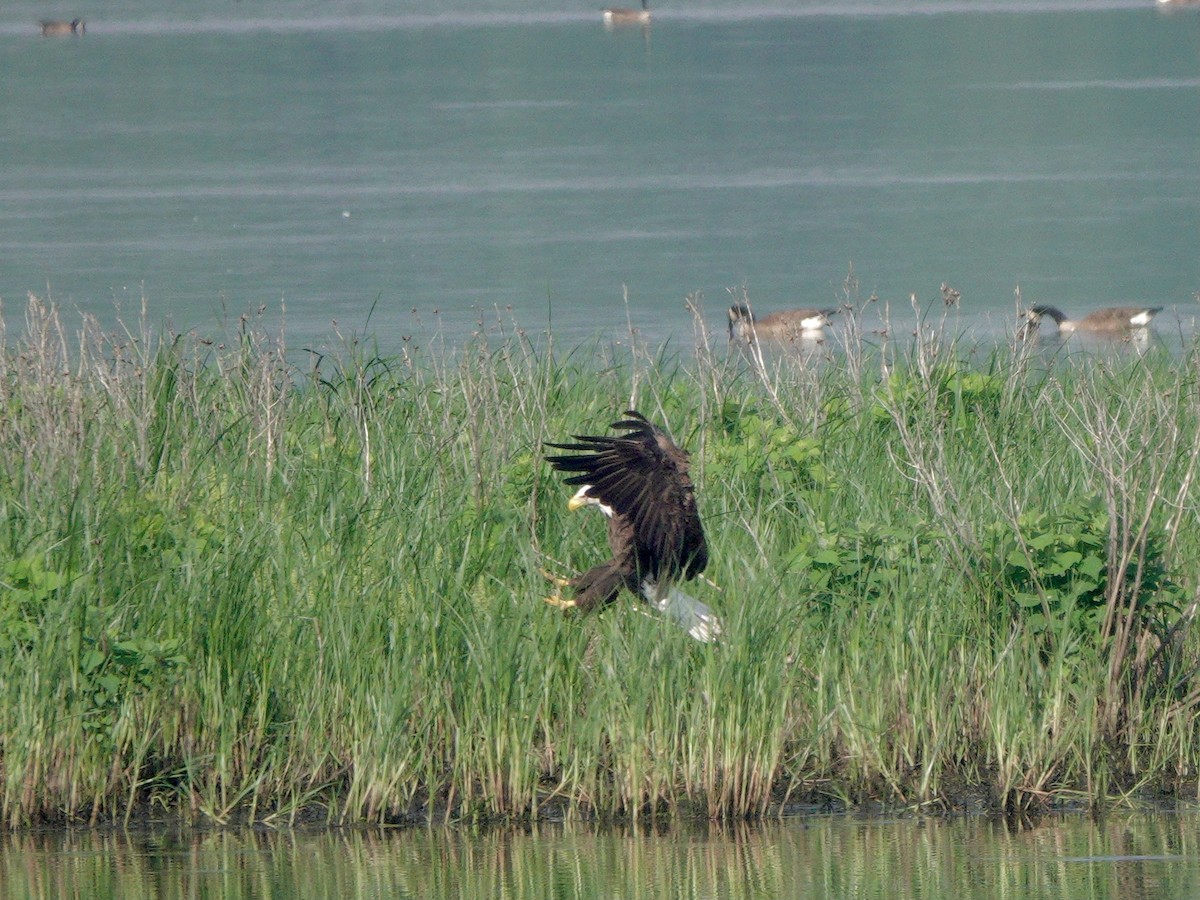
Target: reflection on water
[1127, 856]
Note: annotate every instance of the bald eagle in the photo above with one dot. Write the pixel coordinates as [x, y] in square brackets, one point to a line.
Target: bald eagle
[640, 481]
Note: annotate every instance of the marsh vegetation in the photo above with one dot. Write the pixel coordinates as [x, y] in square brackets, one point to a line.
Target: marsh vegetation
[241, 586]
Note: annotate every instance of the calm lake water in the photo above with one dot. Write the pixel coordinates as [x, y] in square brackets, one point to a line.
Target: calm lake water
[1126, 857]
[351, 161]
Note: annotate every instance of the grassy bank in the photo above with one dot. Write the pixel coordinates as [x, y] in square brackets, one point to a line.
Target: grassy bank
[241, 588]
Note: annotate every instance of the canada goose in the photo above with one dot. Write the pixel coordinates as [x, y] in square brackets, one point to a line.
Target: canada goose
[1115, 320]
[787, 325]
[51, 28]
[621, 15]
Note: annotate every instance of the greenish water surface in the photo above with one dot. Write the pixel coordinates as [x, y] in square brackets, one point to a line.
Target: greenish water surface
[1125, 856]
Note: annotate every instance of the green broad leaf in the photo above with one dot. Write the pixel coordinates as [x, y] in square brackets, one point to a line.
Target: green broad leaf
[798, 561]
[1027, 601]
[1018, 559]
[1068, 558]
[797, 454]
[52, 581]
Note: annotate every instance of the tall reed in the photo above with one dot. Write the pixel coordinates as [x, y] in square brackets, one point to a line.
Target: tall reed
[241, 586]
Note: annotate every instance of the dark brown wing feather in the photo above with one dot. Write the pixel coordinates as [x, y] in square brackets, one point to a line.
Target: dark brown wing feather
[643, 476]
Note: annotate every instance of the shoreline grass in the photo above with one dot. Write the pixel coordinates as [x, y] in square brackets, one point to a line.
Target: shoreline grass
[242, 591]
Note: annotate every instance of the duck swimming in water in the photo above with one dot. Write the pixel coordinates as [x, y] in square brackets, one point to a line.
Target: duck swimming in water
[1111, 321]
[618, 15]
[785, 325]
[55, 28]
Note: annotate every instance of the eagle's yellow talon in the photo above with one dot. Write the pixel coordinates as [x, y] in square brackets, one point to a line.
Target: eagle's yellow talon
[560, 602]
[555, 579]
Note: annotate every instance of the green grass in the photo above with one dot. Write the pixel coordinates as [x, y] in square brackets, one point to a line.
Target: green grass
[240, 589]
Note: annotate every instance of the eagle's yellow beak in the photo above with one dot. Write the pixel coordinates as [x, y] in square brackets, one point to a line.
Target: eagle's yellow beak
[576, 502]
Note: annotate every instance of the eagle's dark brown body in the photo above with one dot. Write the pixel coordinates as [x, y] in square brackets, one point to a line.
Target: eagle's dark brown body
[599, 585]
[641, 479]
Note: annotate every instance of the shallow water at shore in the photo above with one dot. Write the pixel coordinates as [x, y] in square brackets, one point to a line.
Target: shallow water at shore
[1127, 856]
